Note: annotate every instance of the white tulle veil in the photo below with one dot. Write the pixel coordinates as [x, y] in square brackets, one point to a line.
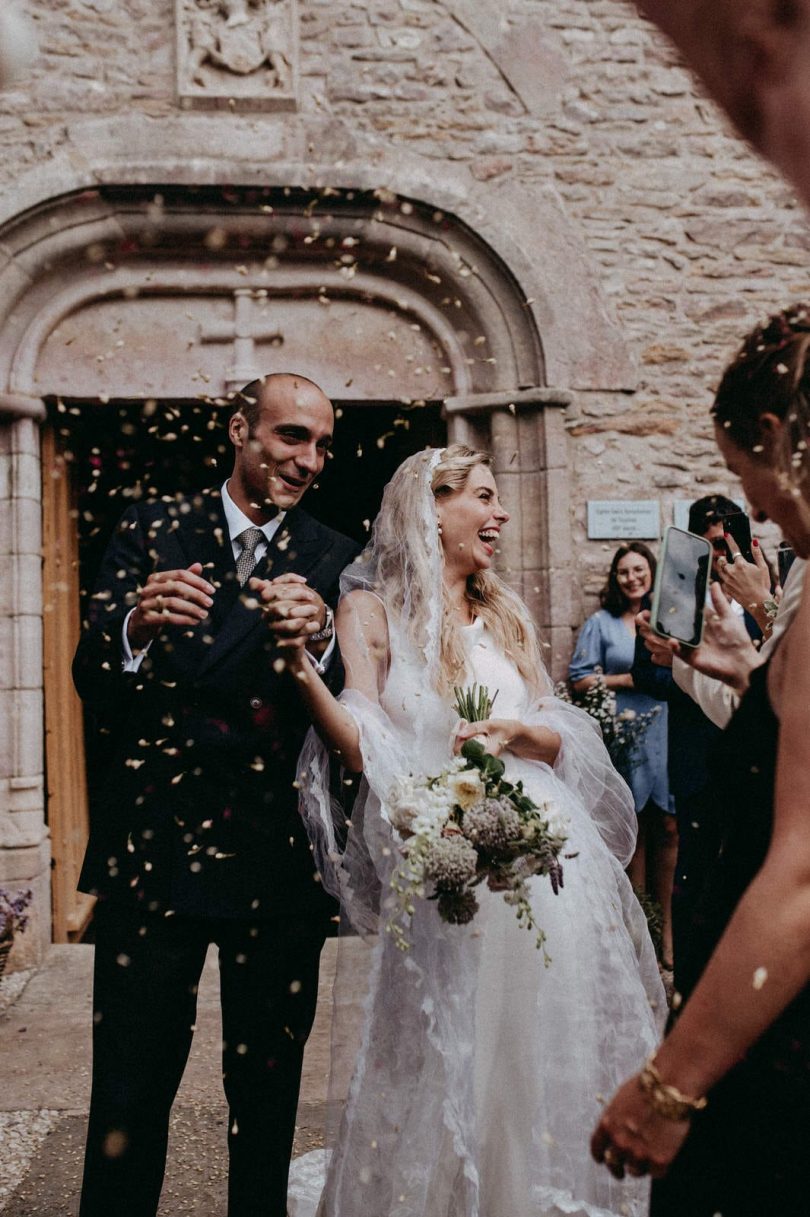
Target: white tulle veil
[407, 1128]
[402, 566]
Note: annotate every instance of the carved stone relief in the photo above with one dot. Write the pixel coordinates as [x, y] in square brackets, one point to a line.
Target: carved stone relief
[239, 54]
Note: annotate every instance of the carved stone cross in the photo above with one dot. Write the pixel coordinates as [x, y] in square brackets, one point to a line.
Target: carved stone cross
[244, 332]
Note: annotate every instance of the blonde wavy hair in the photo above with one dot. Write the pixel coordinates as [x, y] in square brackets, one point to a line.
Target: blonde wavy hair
[502, 611]
[407, 568]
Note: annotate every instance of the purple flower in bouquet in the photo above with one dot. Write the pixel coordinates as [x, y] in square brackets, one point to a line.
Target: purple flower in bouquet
[13, 912]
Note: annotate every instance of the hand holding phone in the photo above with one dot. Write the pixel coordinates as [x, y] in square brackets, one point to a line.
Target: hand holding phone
[681, 580]
[726, 651]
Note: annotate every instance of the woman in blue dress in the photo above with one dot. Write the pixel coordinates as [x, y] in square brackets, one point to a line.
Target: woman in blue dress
[607, 641]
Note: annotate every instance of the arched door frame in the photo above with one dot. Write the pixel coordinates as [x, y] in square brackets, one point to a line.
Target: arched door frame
[496, 276]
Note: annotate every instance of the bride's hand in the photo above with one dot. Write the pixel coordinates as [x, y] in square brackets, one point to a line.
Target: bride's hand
[293, 612]
[495, 734]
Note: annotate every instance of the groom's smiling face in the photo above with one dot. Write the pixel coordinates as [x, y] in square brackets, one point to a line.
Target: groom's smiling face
[278, 459]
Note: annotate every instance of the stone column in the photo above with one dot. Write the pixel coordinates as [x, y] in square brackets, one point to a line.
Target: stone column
[525, 433]
[24, 843]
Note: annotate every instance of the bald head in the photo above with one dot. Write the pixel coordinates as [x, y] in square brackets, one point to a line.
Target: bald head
[284, 387]
[281, 431]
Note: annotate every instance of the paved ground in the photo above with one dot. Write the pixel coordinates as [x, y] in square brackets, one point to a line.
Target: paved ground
[45, 1085]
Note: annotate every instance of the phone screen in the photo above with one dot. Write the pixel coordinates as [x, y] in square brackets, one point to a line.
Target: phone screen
[785, 555]
[739, 526]
[681, 580]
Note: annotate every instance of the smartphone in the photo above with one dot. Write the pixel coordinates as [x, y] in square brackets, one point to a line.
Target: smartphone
[681, 580]
[739, 526]
[785, 555]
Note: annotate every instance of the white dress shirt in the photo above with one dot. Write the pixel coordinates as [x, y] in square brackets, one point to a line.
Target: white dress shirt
[237, 522]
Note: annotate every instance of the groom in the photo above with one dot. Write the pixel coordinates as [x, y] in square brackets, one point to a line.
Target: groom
[195, 835]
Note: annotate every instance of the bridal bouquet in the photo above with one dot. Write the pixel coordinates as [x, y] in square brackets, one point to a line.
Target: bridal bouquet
[464, 826]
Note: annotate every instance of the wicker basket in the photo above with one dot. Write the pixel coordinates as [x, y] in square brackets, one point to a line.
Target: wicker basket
[5, 950]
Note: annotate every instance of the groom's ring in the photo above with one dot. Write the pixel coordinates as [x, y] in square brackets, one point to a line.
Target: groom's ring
[612, 1159]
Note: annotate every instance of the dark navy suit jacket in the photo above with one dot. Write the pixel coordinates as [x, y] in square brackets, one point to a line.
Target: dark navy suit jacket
[193, 806]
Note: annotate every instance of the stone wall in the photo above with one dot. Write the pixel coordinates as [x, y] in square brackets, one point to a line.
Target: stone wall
[565, 138]
[690, 236]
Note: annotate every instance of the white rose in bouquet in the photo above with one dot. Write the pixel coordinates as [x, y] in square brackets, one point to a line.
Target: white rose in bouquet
[405, 804]
[416, 809]
[466, 788]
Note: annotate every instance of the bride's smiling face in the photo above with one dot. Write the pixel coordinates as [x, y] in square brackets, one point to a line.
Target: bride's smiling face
[471, 520]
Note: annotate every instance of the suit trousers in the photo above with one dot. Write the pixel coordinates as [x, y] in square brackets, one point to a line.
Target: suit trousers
[147, 970]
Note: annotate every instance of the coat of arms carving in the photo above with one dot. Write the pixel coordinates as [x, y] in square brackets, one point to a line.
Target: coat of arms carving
[237, 53]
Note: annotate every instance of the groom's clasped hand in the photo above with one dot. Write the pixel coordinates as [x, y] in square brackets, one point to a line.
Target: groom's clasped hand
[293, 610]
[169, 597]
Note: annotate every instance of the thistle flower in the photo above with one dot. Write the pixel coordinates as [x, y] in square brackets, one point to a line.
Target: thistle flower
[451, 862]
[457, 908]
[492, 824]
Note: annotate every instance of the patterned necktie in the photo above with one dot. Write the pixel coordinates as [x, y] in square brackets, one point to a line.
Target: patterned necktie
[246, 561]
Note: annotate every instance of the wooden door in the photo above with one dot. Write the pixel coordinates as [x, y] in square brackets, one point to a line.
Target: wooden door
[66, 783]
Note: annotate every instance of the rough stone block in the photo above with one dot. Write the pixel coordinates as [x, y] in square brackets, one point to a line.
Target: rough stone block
[352, 36]
[25, 438]
[27, 646]
[529, 423]
[27, 582]
[488, 167]
[27, 733]
[26, 476]
[26, 515]
[532, 521]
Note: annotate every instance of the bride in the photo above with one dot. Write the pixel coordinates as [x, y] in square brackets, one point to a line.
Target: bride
[480, 1072]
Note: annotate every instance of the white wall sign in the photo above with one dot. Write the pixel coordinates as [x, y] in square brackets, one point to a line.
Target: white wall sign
[624, 519]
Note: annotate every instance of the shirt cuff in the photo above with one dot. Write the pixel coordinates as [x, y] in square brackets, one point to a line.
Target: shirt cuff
[130, 662]
[322, 663]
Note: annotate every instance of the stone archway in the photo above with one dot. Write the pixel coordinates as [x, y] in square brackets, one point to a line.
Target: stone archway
[145, 284]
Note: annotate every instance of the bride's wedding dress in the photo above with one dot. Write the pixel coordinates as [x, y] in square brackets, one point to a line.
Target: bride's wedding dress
[481, 1072]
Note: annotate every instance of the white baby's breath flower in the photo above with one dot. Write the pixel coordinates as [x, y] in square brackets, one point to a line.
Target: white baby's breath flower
[557, 825]
[429, 826]
[406, 802]
[466, 788]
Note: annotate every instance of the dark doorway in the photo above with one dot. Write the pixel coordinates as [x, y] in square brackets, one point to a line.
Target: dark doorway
[125, 450]
[100, 457]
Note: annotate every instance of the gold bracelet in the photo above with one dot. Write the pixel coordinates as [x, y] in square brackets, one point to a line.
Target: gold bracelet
[667, 1100]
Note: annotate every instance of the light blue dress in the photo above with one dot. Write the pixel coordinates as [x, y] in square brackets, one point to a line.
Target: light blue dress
[605, 641]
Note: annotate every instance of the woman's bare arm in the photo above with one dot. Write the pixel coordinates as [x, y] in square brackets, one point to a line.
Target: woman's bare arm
[763, 959]
[363, 636]
[617, 680]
